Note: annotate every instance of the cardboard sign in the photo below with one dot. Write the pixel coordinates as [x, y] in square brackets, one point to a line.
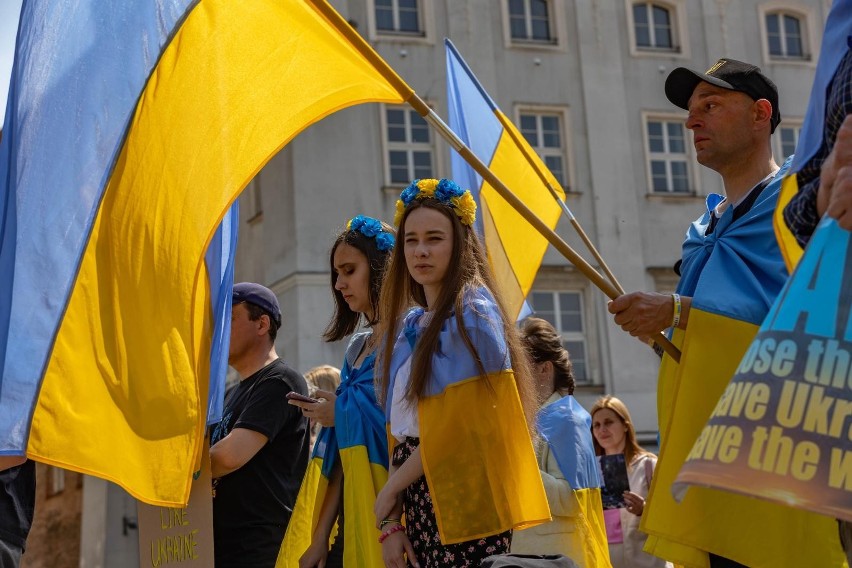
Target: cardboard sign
[783, 428]
[171, 536]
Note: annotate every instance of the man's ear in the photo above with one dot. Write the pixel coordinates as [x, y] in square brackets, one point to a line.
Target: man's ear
[263, 323]
[762, 110]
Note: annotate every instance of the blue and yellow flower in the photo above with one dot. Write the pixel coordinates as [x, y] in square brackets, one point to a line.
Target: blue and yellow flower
[445, 191]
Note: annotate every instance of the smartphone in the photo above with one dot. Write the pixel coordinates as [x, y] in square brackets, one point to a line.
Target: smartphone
[293, 395]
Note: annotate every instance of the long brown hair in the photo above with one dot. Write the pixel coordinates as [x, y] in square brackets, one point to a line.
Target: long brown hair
[632, 449]
[468, 269]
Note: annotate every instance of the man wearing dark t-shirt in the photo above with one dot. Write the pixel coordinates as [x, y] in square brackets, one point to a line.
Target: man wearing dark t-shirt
[259, 451]
[17, 503]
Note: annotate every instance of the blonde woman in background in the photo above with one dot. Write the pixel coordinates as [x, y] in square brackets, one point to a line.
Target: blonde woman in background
[322, 383]
[613, 433]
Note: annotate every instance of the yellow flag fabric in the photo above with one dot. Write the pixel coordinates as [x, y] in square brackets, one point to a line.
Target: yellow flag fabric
[516, 260]
[475, 467]
[128, 370]
[590, 536]
[305, 516]
[750, 531]
[791, 250]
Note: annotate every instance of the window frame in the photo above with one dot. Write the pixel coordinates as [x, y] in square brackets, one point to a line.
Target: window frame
[807, 22]
[566, 151]
[55, 481]
[388, 146]
[679, 25]
[556, 27]
[777, 149]
[570, 336]
[565, 278]
[689, 156]
[426, 35]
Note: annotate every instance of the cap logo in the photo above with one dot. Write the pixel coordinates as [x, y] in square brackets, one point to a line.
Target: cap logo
[716, 67]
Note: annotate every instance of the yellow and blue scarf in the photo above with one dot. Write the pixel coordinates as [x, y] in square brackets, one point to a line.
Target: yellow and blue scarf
[474, 442]
[359, 439]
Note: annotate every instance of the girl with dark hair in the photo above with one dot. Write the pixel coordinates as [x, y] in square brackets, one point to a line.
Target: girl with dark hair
[455, 384]
[566, 458]
[614, 434]
[354, 439]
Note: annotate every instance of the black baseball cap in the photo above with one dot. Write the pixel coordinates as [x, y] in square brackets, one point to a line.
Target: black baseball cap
[260, 296]
[728, 74]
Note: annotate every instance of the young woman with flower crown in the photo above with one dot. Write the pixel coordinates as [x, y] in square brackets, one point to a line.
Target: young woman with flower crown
[455, 385]
[349, 462]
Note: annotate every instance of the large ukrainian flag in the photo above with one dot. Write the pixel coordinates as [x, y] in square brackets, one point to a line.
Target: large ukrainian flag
[359, 438]
[733, 276]
[131, 129]
[474, 442]
[836, 43]
[567, 429]
[515, 248]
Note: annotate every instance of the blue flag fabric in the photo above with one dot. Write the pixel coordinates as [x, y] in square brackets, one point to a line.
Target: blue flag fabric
[220, 272]
[737, 271]
[358, 419]
[567, 429]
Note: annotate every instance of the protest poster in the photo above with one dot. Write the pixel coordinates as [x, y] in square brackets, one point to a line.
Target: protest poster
[781, 430]
[172, 536]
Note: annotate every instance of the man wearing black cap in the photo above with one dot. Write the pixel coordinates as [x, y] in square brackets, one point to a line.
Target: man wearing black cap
[259, 451]
[731, 270]
[733, 111]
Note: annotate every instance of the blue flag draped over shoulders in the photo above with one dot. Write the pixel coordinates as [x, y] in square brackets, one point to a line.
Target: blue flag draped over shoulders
[358, 440]
[736, 271]
[474, 441]
[567, 429]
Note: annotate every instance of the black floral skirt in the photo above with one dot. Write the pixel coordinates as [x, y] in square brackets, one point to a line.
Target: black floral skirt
[422, 527]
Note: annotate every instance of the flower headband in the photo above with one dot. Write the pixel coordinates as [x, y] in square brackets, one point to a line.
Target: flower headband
[372, 228]
[446, 191]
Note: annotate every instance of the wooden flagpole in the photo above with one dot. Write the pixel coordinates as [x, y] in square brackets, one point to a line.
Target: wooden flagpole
[574, 222]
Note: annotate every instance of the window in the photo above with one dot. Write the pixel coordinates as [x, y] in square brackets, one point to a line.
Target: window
[398, 16]
[543, 131]
[667, 159]
[252, 200]
[784, 35]
[652, 26]
[785, 140]
[564, 310]
[410, 152]
[530, 20]
[56, 481]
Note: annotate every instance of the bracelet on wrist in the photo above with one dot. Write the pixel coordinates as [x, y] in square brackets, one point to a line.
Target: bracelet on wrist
[390, 531]
[389, 521]
[678, 309]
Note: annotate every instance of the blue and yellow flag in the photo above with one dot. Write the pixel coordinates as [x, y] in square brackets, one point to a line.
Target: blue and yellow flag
[474, 442]
[131, 129]
[733, 275]
[359, 438]
[567, 429]
[515, 248]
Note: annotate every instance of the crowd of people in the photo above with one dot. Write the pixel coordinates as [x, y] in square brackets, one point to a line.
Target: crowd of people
[450, 434]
